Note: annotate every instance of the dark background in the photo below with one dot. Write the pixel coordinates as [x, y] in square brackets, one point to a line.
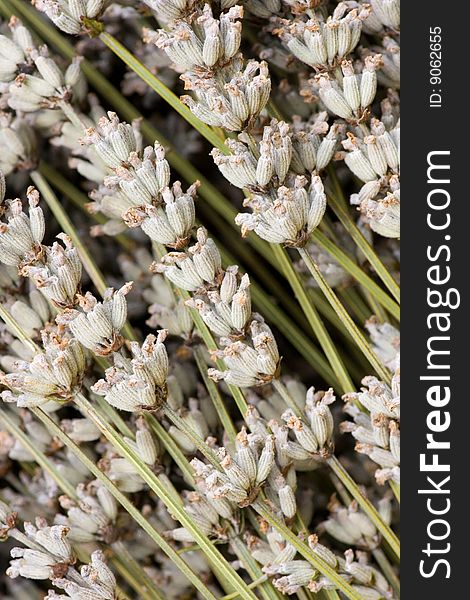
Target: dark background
[426, 129]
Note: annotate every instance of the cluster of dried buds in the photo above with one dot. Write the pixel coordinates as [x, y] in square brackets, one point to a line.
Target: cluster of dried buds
[324, 43]
[241, 476]
[229, 91]
[378, 431]
[138, 383]
[30, 79]
[173, 415]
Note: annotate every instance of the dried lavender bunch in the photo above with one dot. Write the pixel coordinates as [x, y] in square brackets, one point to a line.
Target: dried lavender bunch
[155, 411]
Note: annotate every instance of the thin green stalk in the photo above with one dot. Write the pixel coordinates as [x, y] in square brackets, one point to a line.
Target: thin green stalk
[331, 594]
[215, 396]
[126, 504]
[114, 417]
[157, 86]
[355, 271]
[283, 392]
[39, 457]
[315, 321]
[62, 218]
[135, 582]
[200, 444]
[13, 326]
[326, 311]
[305, 551]
[266, 590]
[350, 298]
[364, 503]
[48, 466]
[79, 199]
[354, 331]
[144, 583]
[387, 569]
[213, 555]
[395, 489]
[171, 447]
[254, 584]
[376, 308]
[348, 223]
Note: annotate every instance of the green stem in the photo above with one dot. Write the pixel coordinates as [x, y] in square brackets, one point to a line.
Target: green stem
[162, 90]
[314, 319]
[126, 504]
[376, 308]
[364, 503]
[114, 417]
[305, 551]
[351, 227]
[66, 224]
[79, 199]
[143, 583]
[284, 393]
[39, 457]
[172, 448]
[387, 569]
[267, 591]
[213, 555]
[215, 396]
[251, 585]
[14, 328]
[200, 444]
[135, 582]
[351, 299]
[355, 271]
[395, 489]
[357, 336]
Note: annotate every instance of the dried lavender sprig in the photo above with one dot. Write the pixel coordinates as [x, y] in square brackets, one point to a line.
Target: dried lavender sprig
[156, 485]
[287, 328]
[315, 322]
[162, 493]
[47, 465]
[219, 204]
[361, 342]
[129, 507]
[92, 74]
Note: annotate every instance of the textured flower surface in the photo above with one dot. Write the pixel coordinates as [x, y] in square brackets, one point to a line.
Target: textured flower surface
[199, 225]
